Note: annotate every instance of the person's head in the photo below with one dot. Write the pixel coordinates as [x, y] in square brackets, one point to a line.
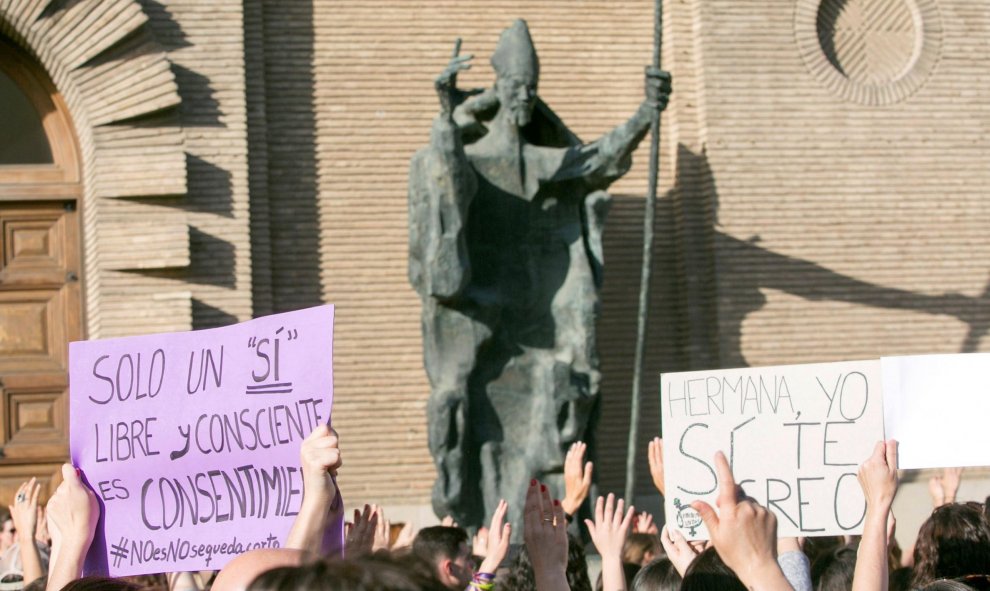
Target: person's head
[834, 571]
[659, 575]
[95, 583]
[521, 578]
[379, 572]
[517, 71]
[708, 573]
[446, 548]
[900, 579]
[641, 549]
[820, 546]
[953, 542]
[7, 530]
[946, 585]
[243, 569]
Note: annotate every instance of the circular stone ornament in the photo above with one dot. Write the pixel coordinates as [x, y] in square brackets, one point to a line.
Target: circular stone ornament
[871, 52]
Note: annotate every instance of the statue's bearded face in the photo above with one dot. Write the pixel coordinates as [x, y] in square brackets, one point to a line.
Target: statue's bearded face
[517, 95]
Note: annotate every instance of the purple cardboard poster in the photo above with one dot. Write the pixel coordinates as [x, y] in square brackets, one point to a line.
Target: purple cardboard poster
[191, 440]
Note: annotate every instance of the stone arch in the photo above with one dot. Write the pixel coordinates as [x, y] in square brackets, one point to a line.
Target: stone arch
[121, 92]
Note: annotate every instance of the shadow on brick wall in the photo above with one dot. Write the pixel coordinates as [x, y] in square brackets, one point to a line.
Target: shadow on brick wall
[291, 152]
[705, 284]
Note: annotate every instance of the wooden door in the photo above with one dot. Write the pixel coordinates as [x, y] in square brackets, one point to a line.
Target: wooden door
[40, 272]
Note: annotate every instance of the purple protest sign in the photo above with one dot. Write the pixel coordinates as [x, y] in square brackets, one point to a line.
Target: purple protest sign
[191, 440]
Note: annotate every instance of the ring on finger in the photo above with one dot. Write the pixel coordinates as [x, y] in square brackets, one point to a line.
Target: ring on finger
[21, 497]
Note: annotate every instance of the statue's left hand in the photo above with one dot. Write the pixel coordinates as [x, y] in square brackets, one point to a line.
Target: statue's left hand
[657, 87]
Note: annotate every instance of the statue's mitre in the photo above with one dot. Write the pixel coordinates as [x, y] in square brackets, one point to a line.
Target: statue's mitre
[515, 53]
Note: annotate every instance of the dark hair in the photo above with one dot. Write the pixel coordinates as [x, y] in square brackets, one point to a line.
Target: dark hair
[953, 542]
[659, 575]
[38, 584]
[378, 572]
[834, 571]
[101, 584]
[521, 578]
[818, 546]
[900, 579]
[946, 585]
[638, 545]
[436, 543]
[707, 572]
[158, 581]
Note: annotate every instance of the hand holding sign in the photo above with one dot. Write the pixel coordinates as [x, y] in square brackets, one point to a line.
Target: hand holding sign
[878, 477]
[72, 516]
[680, 552]
[320, 455]
[744, 533]
[320, 459]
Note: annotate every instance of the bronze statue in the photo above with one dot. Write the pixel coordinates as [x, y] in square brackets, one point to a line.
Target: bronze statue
[506, 212]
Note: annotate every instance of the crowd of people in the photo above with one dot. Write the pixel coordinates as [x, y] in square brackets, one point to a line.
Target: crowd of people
[46, 548]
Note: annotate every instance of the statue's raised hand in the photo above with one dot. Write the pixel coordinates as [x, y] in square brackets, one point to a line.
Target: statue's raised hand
[446, 82]
[657, 87]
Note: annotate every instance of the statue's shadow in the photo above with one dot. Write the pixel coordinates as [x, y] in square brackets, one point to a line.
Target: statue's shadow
[706, 284]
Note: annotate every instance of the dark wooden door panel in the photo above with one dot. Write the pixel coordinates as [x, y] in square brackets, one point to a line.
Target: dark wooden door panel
[40, 312]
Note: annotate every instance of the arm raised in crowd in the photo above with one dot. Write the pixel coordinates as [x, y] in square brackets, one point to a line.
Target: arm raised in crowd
[609, 531]
[320, 455]
[654, 453]
[497, 543]
[744, 533]
[72, 516]
[680, 552]
[878, 477]
[577, 478]
[24, 512]
[545, 533]
[944, 486]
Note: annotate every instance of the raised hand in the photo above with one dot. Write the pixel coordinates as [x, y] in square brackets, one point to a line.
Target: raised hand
[654, 453]
[643, 524]
[479, 542]
[657, 88]
[383, 530]
[497, 543]
[878, 477]
[609, 531]
[24, 511]
[577, 477]
[545, 533]
[406, 536]
[72, 515]
[680, 552]
[360, 537]
[951, 477]
[446, 82]
[743, 532]
[319, 455]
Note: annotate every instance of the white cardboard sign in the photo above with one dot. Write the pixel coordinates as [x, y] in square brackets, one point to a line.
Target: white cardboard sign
[937, 407]
[794, 436]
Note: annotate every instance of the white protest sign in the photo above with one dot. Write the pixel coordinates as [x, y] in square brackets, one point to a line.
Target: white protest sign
[794, 436]
[936, 407]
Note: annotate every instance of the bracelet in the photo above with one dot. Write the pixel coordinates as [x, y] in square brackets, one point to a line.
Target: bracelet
[482, 582]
